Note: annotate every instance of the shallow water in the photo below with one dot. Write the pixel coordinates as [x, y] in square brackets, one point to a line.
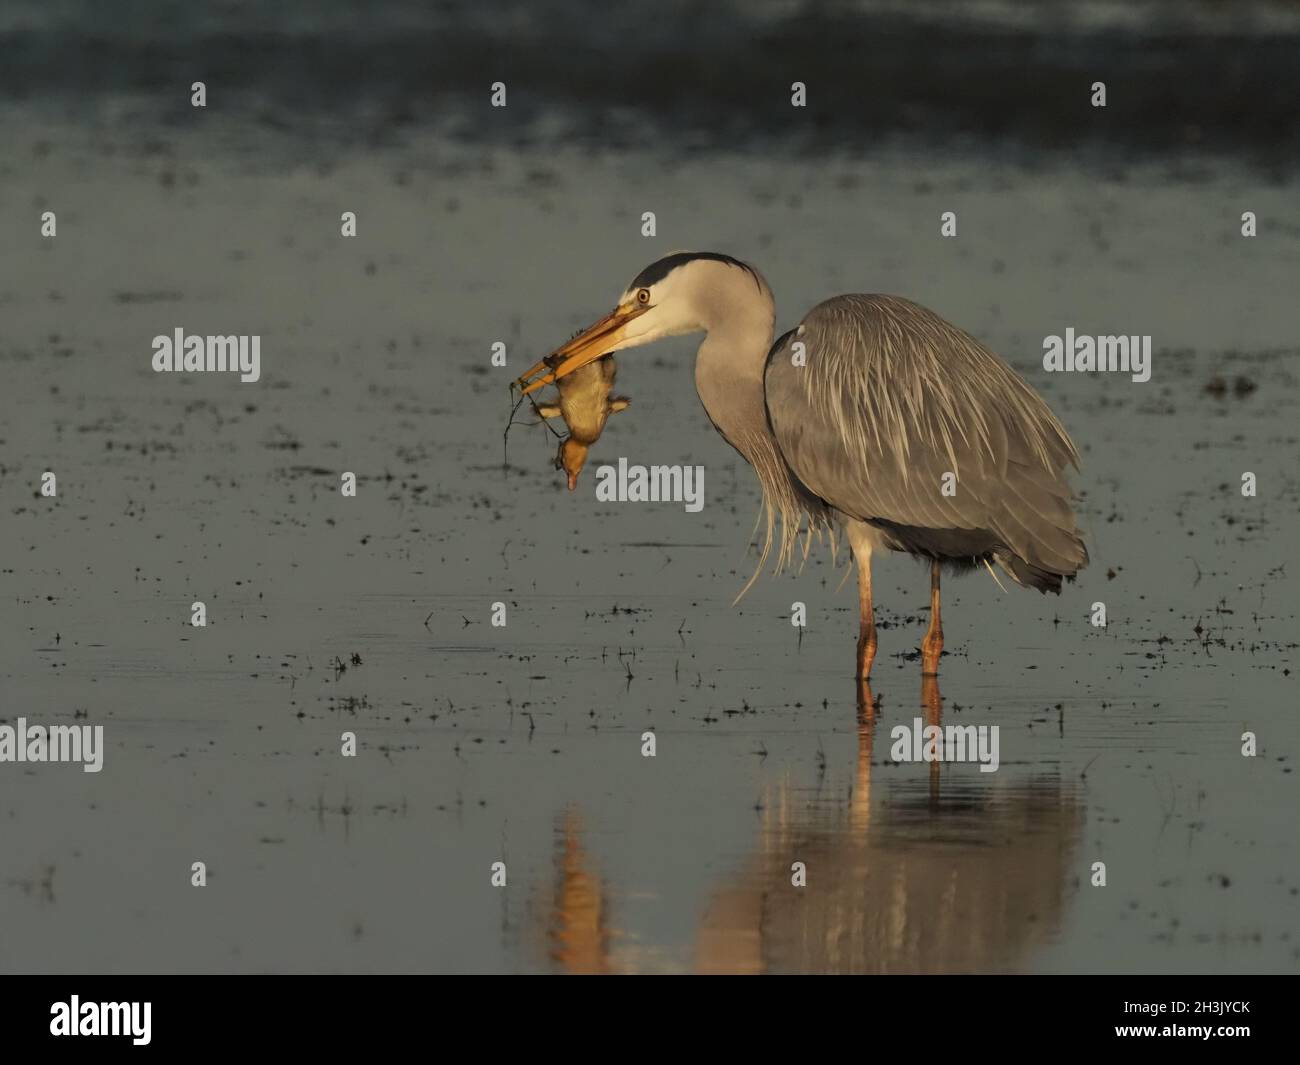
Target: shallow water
[522, 744]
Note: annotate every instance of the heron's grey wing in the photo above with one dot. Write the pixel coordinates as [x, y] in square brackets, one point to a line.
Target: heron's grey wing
[888, 400]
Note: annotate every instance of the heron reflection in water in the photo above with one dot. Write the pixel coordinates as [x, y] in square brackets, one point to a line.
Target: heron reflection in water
[904, 874]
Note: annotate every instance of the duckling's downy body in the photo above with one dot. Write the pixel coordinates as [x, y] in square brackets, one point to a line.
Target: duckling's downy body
[585, 404]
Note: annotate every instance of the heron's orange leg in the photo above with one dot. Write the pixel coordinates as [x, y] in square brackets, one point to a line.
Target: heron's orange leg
[867, 625]
[932, 645]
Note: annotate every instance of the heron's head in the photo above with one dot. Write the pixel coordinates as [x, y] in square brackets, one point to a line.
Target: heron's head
[668, 298]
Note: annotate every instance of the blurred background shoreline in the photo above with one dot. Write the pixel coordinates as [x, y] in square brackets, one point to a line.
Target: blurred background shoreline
[1012, 78]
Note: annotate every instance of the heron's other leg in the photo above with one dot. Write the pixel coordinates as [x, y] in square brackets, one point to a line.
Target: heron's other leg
[860, 542]
[866, 621]
[932, 645]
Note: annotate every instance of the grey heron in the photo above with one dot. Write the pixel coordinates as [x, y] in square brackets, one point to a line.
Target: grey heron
[873, 415]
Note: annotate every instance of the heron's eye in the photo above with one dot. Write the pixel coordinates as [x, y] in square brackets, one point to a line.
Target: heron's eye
[643, 296]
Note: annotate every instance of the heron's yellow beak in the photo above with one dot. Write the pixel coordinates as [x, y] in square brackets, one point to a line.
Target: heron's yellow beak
[588, 346]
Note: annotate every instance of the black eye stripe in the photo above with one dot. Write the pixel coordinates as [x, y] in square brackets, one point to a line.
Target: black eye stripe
[657, 271]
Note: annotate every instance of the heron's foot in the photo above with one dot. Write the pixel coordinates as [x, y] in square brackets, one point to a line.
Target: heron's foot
[931, 649]
[866, 654]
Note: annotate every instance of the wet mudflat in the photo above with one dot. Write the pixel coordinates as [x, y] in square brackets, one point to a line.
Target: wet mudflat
[522, 744]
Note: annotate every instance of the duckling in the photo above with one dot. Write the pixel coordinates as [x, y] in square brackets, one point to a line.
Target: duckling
[585, 404]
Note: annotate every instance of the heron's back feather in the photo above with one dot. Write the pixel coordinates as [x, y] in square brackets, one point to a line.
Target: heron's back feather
[891, 398]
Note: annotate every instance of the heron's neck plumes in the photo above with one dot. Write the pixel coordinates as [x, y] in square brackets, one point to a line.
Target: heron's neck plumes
[738, 313]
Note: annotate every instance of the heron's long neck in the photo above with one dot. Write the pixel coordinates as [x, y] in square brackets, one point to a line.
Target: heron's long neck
[729, 368]
[729, 371]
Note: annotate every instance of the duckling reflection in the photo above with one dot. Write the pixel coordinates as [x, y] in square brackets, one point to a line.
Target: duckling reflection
[579, 932]
[952, 876]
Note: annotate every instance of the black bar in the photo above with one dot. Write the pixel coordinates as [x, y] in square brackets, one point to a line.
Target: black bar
[344, 1014]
